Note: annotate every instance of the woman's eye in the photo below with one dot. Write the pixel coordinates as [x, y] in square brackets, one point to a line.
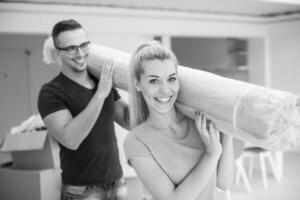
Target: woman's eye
[153, 81]
[172, 79]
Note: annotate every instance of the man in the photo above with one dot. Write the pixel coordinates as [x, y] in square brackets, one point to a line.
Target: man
[79, 112]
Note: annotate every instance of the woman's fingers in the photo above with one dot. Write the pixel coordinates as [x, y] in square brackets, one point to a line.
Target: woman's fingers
[205, 126]
[209, 133]
[201, 125]
[218, 135]
[211, 127]
[203, 122]
[198, 119]
[216, 132]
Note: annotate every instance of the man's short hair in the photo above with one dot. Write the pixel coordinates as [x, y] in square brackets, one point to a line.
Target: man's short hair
[64, 25]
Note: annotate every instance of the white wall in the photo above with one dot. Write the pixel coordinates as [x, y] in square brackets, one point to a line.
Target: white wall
[14, 17]
[284, 55]
[211, 54]
[283, 48]
[258, 71]
[203, 53]
[38, 71]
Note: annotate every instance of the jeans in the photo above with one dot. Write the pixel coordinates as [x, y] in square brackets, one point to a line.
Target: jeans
[116, 190]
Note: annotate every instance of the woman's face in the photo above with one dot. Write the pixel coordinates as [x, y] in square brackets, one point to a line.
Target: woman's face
[159, 85]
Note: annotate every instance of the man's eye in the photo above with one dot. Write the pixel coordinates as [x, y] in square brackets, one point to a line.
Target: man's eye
[71, 48]
[84, 45]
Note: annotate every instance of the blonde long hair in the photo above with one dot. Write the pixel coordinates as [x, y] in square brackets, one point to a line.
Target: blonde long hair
[147, 51]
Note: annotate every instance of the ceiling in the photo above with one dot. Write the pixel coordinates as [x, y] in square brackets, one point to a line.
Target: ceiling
[253, 8]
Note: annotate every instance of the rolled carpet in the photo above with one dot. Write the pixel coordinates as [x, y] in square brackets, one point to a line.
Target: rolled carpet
[262, 116]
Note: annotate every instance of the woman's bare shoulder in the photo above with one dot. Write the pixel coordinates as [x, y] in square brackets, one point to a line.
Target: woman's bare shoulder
[139, 129]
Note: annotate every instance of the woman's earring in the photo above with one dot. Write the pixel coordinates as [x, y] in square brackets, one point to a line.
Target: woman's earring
[137, 86]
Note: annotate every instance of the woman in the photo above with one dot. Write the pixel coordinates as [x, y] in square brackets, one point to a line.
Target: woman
[174, 157]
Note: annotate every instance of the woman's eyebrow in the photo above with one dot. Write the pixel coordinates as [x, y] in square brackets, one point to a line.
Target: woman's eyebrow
[173, 74]
[153, 76]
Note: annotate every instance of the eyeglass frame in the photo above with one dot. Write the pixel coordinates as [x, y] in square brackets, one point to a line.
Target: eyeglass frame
[75, 47]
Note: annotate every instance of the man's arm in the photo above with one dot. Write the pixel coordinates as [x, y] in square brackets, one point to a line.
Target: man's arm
[122, 114]
[71, 131]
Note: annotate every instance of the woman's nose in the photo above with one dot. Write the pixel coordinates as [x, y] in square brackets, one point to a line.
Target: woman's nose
[165, 88]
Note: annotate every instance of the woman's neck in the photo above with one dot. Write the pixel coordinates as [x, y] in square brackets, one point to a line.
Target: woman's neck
[173, 124]
[166, 120]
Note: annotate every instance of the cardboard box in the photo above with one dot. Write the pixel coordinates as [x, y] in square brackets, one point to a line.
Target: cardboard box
[16, 184]
[32, 150]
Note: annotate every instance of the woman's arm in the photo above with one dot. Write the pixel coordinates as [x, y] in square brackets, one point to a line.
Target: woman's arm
[226, 166]
[159, 184]
[162, 188]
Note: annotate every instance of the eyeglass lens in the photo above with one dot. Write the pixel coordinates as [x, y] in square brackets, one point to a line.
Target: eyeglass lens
[73, 48]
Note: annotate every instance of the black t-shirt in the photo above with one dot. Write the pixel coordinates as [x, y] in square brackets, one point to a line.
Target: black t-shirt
[97, 158]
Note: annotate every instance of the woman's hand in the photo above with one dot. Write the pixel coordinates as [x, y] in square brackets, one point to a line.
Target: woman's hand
[105, 81]
[209, 134]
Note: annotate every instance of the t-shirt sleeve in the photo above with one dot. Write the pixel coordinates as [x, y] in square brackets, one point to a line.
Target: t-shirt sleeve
[49, 102]
[116, 94]
[133, 148]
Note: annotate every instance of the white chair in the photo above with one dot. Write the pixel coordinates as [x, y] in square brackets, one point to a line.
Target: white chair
[239, 162]
[241, 173]
[238, 147]
[263, 155]
[242, 153]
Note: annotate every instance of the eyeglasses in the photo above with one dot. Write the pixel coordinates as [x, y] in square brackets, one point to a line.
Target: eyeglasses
[73, 49]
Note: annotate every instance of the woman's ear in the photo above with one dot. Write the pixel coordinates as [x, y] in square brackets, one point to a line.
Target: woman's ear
[137, 85]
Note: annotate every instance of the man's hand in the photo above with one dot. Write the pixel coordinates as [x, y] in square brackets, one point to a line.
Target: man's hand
[105, 80]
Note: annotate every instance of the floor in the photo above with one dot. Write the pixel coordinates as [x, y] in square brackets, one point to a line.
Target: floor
[287, 188]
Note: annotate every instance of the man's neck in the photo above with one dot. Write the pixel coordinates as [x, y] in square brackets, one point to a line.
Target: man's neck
[83, 78]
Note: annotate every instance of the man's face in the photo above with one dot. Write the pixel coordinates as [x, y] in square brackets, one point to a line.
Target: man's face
[75, 61]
